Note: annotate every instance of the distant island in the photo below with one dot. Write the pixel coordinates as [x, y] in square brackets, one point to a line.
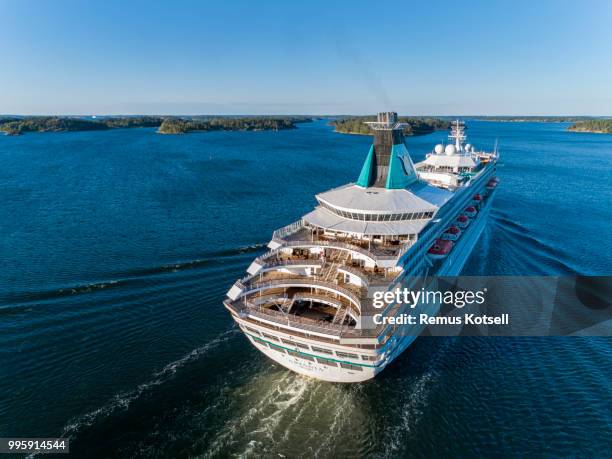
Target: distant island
[416, 126]
[255, 123]
[595, 126]
[165, 125]
[533, 119]
[21, 125]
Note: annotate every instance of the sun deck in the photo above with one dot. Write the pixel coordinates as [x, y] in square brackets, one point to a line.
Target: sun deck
[374, 247]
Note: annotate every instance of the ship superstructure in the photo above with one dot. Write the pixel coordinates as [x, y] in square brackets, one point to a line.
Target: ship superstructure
[308, 302]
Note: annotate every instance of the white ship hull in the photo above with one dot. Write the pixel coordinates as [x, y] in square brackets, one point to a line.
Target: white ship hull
[316, 370]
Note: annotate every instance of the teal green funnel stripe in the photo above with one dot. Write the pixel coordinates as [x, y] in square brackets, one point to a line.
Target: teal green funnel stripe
[368, 171]
[401, 170]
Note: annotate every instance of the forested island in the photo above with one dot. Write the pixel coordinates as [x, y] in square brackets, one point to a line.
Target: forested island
[165, 125]
[596, 126]
[21, 125]
[255, 123]
[416, 125]
[534, 119]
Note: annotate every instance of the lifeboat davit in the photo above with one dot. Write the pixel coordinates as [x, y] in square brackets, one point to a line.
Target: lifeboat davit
[477, 199]
[491, 184]
[451, 234]
[440, 249]
[470, 211]
[462, 221]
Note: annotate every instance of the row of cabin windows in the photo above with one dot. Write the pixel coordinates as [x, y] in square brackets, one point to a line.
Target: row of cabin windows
[309, 358]
[379, 217]
[320, 350]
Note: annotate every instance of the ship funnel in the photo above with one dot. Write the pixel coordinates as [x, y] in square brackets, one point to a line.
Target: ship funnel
[388, 164]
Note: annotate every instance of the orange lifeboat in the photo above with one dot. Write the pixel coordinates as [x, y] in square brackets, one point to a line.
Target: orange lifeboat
[470, 211]
[451, 234]
[440, 249]
[477, 199]
[462, 221]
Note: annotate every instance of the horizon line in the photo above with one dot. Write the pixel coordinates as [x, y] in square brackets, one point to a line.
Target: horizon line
[91, 115]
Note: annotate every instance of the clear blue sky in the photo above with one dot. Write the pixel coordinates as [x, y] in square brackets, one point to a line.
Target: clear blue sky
[310, 57]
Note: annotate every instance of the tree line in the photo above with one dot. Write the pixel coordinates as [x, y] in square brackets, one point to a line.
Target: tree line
[165, 125]
[601, 126]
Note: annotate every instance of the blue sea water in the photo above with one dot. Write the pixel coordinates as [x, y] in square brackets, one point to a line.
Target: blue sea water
[117, 249]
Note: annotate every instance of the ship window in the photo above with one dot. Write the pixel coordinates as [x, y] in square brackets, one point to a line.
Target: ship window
[330, 363]
[322, 350]
[300, 356]
[369, 357]
[347, 355]
[255, 332]
[295, 343]
[274, 348]
[348, 366]
[270, 336]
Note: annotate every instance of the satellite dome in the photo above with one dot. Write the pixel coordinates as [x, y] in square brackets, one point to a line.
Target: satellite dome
[450, 150]
[468, 147]
[439, 149]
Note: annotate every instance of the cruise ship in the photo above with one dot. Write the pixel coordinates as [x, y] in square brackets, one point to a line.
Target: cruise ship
[307, 303]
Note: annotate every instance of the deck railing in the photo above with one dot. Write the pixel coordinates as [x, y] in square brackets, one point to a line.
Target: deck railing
[290, 262]
[318, 296]
[302, 323]
[308, 282]
[287, 230]
[292, 320]
[340, 245]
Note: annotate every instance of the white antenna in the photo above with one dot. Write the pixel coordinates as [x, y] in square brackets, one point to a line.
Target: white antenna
[458, 134]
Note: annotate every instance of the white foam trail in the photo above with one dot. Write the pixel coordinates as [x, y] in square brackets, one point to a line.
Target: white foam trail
[413, 409]
[124, 399]
[344, 403]
[283, 394]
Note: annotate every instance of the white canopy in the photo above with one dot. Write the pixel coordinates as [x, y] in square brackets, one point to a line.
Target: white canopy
[418, 197]
[323, 218]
